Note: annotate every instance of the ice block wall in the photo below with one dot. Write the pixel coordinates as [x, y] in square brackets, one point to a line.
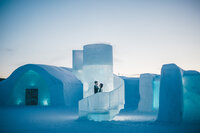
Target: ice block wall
[171, 94]
[146, 92]
[77, 63]
[97, 66]
[191, 85]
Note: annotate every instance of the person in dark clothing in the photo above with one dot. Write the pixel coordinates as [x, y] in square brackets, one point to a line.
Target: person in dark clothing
[96, 88]
[100, 87]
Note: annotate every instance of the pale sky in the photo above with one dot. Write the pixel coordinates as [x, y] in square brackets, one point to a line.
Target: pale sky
[145, 34]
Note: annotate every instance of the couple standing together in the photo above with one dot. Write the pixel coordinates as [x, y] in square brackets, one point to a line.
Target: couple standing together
[97, 88]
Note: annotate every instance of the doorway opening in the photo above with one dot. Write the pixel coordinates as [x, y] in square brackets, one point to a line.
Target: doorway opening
[32, 96]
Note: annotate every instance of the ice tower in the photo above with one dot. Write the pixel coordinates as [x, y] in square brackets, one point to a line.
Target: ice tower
[97, 66]
[95, 63]
[77, 63]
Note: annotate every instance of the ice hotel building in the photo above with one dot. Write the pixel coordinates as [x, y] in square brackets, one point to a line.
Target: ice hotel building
[173, 96]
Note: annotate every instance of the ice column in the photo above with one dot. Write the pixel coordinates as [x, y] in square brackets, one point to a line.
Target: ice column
[97, 66]
[171, 94]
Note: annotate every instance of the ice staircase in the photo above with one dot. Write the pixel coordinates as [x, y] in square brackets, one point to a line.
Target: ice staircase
[103, 106]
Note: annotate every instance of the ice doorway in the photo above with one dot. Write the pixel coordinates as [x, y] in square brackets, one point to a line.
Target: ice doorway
[31, 96]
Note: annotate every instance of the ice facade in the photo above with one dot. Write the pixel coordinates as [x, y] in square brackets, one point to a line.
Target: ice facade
[98, 66]
[191, 87]
[171, 94]
[29, 80]
[149, 85]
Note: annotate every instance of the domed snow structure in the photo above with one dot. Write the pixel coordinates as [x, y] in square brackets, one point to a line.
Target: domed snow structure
[44, 85]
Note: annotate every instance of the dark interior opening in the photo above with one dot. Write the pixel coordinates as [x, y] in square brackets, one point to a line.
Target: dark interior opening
[32, 96]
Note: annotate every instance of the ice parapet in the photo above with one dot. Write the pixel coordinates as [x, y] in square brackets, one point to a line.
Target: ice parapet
[104, 105]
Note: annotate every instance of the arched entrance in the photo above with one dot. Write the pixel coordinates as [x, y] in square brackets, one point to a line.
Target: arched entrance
[30, 89]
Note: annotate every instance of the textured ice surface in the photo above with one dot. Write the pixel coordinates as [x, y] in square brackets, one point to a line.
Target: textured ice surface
[171, 94]
[191, 84]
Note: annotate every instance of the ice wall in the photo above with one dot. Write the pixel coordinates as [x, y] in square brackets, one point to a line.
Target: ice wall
[97, 66]
[171, 94]
[191, 84]
[146, 92]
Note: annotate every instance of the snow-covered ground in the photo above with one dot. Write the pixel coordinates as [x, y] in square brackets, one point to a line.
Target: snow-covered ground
[50, 120]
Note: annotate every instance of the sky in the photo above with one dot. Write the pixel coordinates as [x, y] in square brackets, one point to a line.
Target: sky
[145, 34]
